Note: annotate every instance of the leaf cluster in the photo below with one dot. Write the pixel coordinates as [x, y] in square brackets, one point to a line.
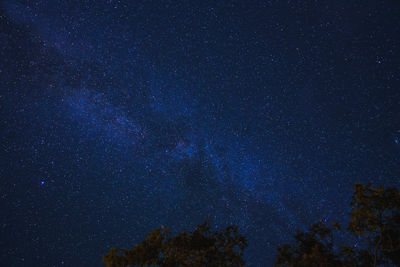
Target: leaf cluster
[375, 216]
[201, 247]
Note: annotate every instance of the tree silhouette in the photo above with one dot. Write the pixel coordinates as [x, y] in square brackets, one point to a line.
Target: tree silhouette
[200, 247]
[375, 216]
[313, 248]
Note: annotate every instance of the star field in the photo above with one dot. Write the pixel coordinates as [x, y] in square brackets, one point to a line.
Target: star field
[121, 116]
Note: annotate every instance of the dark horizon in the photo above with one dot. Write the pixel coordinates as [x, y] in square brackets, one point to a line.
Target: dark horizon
[119, 117]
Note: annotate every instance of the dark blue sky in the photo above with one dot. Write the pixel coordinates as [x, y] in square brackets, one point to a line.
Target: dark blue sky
[117, 117]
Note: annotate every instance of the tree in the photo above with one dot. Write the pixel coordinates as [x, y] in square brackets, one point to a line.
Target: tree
[313, 248]
[375, 215]
[200, 247]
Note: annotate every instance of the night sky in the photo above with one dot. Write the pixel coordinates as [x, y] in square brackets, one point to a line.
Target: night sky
[121, 116]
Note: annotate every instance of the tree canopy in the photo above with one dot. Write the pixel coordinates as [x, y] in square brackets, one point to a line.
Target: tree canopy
[375, 218]
[201, 247]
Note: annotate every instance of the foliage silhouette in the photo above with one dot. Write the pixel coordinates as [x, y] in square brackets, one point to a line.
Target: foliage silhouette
[375, 218]
[200, 247]
[375, 215]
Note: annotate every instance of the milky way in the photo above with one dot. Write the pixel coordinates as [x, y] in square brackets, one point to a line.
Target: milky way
[117, 118]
